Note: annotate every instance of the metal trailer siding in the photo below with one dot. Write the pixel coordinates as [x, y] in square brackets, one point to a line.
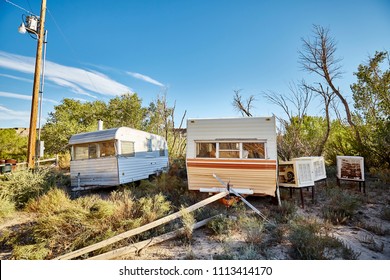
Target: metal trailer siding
[258, 175]
[233, 128]
[119, 169]
[94, 172]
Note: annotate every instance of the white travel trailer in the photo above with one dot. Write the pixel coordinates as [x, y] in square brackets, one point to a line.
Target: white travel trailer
[241, 151]
[115, 156]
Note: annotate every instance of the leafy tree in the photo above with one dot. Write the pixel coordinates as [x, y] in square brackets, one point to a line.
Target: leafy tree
[12, 145]
[371, 95]
[301, 137]
[72, 117]
[341, 141]
[68, 118]
[126, 110]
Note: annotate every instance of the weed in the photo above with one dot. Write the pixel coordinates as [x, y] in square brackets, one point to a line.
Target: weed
[253, 229]
[248, 252]
[188, 222]
[285, 213]
[7, 208]
[374, 228]
[30, 252]
[21, 186]
[310, 243]
[222, 226]
[370, 242]
[385, 213]
[340, 205]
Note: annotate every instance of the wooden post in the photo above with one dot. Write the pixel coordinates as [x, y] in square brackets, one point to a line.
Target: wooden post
[141, 229]
[31, 152]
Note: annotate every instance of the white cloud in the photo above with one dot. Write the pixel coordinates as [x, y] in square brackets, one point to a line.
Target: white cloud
[17, 78]
[78, 80]
[19, 117]
[145, 78]
[24, 97]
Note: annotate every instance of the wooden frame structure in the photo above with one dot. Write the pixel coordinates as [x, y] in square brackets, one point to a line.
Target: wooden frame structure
[351, 168]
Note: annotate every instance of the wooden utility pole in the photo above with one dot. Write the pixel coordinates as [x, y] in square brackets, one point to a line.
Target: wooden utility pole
[31, 149]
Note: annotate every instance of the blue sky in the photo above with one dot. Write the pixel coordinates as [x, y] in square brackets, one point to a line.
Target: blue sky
[198, 52]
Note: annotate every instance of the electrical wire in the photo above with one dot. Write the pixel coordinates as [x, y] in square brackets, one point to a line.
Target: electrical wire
[19, 7]
[60, 31]
[70, 47]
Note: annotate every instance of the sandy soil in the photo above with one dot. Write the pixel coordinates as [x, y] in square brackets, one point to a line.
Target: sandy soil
[364, 240]
[366, 243]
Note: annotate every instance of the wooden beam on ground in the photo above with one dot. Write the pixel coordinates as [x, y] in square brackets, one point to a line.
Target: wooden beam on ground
[134, 248]
[141, 229]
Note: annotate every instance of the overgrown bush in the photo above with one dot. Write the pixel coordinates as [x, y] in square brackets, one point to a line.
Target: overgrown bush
[310, 241]
[340, 205]
[385, 213]
[7, 208]
[222, 226]
[64, 225]
[253, 229]
[188, 221]
[21, 186]
[64, 161]
[285, 212]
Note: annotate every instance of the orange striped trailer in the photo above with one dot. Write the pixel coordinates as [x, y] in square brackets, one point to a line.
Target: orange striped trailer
[241, 151]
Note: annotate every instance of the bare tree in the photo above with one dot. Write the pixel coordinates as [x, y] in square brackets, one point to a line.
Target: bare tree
[328, 97]
[318, 56]
[244, 107]
[290, 141]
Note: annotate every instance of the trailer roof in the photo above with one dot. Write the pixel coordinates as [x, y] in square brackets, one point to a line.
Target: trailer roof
[104, 135]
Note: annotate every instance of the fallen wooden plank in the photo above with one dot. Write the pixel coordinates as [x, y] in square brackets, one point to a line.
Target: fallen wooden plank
[133, 248]
[141, 229]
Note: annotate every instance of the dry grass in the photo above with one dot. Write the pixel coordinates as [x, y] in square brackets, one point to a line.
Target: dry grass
[63, 224]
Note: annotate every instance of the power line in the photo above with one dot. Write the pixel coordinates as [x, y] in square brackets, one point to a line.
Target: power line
[71, 48]
[19, 7]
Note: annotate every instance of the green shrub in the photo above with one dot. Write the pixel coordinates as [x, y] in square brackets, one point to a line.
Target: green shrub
[30, 252]
[285, 213]
[222, 225]
[7, 208]
[340, 206]
[188, 221]
[152, 208]
[310, 242]
[53, 202]
[21, 186]
[253, 229]
[385, 213]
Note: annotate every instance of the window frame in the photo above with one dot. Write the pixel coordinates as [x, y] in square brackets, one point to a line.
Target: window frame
[92, 147]
[127, 154]
[240, 149]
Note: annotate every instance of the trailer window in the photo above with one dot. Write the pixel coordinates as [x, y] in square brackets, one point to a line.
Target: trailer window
[80, 152]
[206, 150]
[127, 148]
[107, 149]
[162, 152]
[253, 150]
[92, 151]
[149, 145]
[229, 150]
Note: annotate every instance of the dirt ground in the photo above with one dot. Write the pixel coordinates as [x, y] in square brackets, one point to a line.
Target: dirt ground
[368, 244]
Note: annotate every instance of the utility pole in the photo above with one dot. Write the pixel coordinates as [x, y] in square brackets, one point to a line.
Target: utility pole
[31, 148]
